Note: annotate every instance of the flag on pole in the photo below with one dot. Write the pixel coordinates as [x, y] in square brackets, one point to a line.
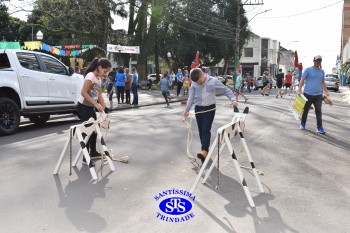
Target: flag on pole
[298, 65]
[196, 61]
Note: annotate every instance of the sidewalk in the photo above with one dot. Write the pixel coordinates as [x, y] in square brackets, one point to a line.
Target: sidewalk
[345, 94]
[146, 98]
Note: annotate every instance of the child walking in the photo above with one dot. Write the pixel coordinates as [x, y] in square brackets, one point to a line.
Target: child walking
[110, 91]
[164, 87]
[202, 94]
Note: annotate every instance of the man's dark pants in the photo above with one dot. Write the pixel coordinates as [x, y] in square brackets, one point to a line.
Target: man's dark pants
[204, 122]
[316, 100]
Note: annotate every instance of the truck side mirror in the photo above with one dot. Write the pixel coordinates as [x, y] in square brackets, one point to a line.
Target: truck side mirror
[71, 71]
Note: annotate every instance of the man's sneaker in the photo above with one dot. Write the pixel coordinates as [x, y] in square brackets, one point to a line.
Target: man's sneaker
[95, 155]
[302, 126]
[321, 130]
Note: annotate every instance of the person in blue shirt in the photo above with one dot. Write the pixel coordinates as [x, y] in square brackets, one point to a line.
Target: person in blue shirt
[313, 77]
[164, 87]
[134, 84]
[120, 83]
[179, 81]
[202, 94]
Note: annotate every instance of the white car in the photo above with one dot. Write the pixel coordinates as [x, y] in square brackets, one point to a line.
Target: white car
[259, 83]
[35, 85]
[153, 77]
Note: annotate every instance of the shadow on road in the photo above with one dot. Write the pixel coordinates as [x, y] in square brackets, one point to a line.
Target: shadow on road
[78, 197]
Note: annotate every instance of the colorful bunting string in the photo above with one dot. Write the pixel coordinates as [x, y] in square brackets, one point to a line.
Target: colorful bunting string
[68, 51]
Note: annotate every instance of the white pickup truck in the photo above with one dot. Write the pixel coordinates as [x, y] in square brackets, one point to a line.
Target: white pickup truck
[34, 85]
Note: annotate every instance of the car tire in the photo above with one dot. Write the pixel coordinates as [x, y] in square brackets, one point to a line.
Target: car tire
[9, 116]
[39, 119]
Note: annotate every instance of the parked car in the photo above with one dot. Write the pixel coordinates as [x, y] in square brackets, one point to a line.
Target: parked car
[227, 81]
[153, 77]
[35, 85]
[332, 83]
[259, 83]
[332, 75]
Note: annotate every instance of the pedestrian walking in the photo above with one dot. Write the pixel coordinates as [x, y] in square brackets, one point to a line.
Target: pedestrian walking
[186, 82]
[164, 88]
[238, 85]
[279, 82]
[313, 78]
[171, 78]
[128, 83]
[265, 80]
[202, 94]
[120, 83]
[110, 91]
[179, 77]
[135, 81]
[348, 82]
[288, 82]
[91, 98]
[249, 84]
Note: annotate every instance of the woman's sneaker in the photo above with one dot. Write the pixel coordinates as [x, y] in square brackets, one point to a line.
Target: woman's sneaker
[320, 130]
[92, 164]
[302, 126]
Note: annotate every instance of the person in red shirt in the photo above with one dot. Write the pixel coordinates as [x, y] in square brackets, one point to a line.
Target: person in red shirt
[288, 82]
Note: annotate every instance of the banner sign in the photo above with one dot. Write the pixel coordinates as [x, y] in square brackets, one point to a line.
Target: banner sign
[123, 49]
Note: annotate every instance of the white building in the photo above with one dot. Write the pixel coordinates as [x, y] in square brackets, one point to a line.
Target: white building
[259, 54]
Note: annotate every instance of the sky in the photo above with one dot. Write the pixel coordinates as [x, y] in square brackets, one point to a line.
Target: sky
[310, 27]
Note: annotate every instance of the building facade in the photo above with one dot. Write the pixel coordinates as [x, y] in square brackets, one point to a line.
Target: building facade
[259, 54]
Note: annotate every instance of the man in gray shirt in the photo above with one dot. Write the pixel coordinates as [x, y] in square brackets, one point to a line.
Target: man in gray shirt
[202, 94]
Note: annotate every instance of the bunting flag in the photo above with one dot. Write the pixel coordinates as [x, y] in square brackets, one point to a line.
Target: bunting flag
[72, 46]
[57, 49]
[32, 45]
[10, 45]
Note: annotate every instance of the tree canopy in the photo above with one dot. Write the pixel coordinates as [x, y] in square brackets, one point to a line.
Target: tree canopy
[180, 27]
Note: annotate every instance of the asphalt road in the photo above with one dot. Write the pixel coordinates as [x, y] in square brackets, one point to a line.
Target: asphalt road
[306, 175]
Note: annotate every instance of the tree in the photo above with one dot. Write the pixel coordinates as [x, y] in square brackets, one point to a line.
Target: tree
[9, 26]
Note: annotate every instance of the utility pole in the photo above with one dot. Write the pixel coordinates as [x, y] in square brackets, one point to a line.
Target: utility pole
[238, 27]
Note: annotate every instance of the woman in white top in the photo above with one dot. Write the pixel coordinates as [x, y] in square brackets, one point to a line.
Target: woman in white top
[91, 99]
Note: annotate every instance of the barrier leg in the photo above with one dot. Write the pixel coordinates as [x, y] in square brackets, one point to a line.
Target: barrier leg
[60, 160]
[86, 155]
[105, 149]
[239, 172]
[205, 164]
[213, 164]
[256, 175]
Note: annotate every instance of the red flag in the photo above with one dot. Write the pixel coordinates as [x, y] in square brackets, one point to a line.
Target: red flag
[296, 61]
[196, 61]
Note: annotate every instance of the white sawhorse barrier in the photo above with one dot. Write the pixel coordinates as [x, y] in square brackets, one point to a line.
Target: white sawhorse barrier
[82, 132]
[224, 134]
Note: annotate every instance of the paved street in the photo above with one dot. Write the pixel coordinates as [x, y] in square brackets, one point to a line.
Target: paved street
[305, 174]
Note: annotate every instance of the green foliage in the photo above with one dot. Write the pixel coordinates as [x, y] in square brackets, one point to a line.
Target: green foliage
[345, 69]
[180, 27]
[9, 26]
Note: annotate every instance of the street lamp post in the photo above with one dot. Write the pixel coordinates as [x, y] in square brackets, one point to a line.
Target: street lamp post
[170, 61]
[39, 35]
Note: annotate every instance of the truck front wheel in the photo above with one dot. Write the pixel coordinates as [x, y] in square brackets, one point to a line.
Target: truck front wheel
[39, 119]
[9, 116]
